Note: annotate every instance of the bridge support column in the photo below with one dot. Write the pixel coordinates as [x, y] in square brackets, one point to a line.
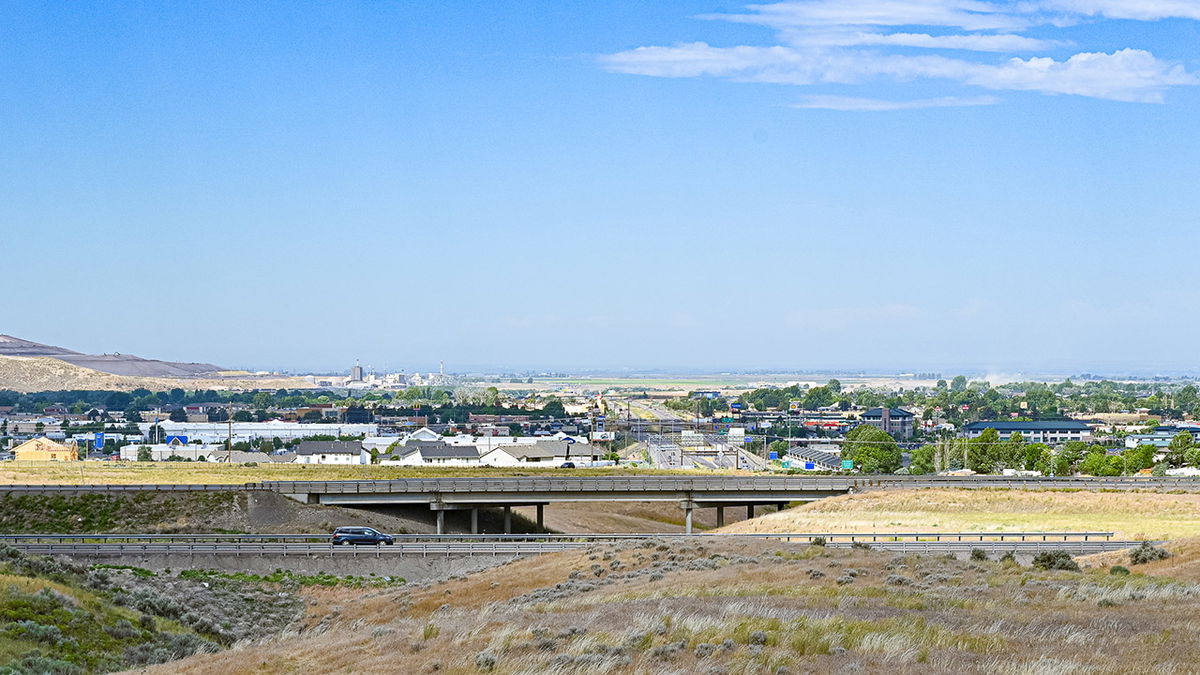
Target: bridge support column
[474, 521]
[720, 516]
[749, 511]
[441, 521]
[781, 506]
[507, 520]
[539, 518]
[688, 506]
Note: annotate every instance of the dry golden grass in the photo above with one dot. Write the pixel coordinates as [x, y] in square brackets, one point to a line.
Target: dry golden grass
[1130, 515]
[150, 473]
[671, 609]
[1183, 564]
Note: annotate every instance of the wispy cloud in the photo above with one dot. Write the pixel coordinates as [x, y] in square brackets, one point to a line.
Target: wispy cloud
[876, 105]
[1141, 10]
[848, 42]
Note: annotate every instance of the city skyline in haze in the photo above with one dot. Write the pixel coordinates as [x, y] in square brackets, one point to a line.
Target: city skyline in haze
[911, 184]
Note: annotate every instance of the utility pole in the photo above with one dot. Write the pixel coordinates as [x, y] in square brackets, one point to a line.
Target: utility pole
[229, 446]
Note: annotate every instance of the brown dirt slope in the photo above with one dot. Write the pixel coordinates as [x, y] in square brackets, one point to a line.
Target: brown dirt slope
[738, 607]
[188, 512]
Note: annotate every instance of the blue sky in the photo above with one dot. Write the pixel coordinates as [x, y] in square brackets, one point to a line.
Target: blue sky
[907, 184]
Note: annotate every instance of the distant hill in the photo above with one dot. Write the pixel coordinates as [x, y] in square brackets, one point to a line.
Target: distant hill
[114, 364]
[43, 373]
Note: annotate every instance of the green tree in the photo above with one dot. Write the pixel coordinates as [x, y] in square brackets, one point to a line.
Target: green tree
[1141, 457]
[871, 449]
[959, 383]
[243, 416]
[1067, 461]
[981, 451]
[1179, 447]
[1038, 457]
[144, 454]
[923, 460]
[178, 415]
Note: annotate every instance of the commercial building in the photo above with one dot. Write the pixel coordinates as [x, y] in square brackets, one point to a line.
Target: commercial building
[896, 421]
[1043, 431]
[42, 449]
[218, 432]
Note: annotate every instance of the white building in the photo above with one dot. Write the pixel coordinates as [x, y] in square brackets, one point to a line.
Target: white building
[218, 432]
[331, 452]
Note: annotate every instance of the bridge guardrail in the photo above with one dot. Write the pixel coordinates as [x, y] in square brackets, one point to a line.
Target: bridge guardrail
[829, 537]
[509, 548]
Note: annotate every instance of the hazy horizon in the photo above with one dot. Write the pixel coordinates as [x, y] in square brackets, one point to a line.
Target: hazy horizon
[787, 186]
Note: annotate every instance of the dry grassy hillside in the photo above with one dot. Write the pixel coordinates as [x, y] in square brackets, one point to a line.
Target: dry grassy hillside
[740, 607]
[46, 374]
[1131, 515]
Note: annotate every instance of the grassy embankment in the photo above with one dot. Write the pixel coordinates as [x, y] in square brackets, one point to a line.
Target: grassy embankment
[63, 618]
[742, 607]
[1130, 515]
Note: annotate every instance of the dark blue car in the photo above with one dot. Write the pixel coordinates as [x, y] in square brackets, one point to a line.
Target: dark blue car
[360, 535]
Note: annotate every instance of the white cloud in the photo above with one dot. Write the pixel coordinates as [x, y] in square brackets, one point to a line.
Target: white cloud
[1141, 10]
[965, 14]
[1004, 42]
[851, 103]
[1127, 75]
[841, 42]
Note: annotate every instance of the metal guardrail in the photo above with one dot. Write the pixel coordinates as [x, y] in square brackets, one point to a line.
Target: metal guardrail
[510, 548]
[497, 548]
[567, 484]
[829, 537]
[140, 487]
[716, 484]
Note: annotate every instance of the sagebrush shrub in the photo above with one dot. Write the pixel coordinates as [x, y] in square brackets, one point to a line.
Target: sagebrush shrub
[1055, 560]
[1147, 553]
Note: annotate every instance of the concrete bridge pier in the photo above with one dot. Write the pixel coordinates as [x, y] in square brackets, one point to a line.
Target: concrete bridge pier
[720, 516]
[688, 506]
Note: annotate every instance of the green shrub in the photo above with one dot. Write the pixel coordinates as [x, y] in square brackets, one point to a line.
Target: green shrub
[1055, 560]
[1119, 570]
[817, 541]
[978, 554]
[1147, 553]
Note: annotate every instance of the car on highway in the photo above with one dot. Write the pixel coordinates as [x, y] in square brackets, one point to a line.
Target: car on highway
[567, 465]
[344, 536]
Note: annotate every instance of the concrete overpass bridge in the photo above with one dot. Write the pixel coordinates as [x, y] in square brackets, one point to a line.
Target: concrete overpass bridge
[689, 492]
[449, 494]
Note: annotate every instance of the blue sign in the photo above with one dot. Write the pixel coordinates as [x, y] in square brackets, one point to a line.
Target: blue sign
[177, 440]
[772, 455]
[569, 440]
[99, 440]
[735, 406]
[809, 466]
[748, 439]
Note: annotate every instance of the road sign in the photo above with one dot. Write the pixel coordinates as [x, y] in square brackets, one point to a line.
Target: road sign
[810, 466]
[99, 440]
[847, 464]
[748, 439]
[773, 455]
[735, 406]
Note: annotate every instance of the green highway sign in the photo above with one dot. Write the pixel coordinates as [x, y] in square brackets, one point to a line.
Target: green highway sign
[847, 464]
